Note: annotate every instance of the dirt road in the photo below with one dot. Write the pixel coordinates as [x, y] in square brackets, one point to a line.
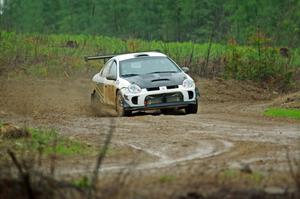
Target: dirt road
[228, 132]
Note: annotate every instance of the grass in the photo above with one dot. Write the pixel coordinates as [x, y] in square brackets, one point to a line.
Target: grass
[235, 175]
[283, 112]
[48, 56]
[49, 142]
[167, 178]
[82, 182]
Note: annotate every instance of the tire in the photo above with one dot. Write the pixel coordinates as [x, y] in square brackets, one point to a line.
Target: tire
[120, 107]
[192, 108]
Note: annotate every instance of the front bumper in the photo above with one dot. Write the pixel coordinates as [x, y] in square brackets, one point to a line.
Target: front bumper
[160, 106]
[170, 98]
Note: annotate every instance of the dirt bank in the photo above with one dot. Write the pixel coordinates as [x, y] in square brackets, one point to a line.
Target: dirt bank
[34, 97]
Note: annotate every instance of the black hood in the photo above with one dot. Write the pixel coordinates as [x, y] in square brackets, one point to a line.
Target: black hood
[157, 79]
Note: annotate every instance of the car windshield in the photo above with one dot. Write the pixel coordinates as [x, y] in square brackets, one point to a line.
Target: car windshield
[147, 65]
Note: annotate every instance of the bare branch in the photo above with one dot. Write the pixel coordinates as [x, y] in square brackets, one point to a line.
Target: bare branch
[24, 175]
[100, 159]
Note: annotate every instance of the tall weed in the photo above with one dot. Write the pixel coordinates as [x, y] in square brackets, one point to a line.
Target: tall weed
[52, 55]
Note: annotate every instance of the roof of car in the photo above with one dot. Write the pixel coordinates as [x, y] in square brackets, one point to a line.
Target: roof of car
[139, 54]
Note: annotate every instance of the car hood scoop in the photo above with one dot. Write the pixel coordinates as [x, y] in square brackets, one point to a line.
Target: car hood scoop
[157, 80]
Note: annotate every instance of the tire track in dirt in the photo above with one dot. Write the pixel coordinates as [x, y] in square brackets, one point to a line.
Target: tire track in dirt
[206, 149]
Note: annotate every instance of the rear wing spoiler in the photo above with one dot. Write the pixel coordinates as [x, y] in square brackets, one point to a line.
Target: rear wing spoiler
[96, 57]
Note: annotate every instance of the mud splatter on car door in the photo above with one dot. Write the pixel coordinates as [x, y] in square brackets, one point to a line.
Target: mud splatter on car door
[110, 84]
[100, 83]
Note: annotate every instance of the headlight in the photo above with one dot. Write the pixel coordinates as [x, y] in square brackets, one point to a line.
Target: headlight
[188, 83]
[134, 89]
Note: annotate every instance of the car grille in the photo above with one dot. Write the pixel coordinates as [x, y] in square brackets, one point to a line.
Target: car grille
[172, 87]
[157, 88]
[164, 98]
[153, 89]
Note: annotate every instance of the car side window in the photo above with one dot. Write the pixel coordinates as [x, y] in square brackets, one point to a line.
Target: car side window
[106, 69]
[113, 70]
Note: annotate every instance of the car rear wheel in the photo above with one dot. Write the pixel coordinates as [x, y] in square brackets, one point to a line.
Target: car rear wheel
[191, 108]
[120, 106]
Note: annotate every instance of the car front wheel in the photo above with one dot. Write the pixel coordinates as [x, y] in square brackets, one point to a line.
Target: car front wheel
[191, 108]
[120, 107]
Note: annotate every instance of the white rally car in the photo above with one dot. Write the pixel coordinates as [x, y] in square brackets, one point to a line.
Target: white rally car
[143, 81]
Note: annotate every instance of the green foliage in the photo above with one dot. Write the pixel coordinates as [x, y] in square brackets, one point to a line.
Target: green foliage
[168, 20]
[167, 178]
[256, 177]
[82, 182]
[259, 62]
[235, 175]
[50, 142]
[230, 173]
[282, 112]
[37, 71]
[49, 55]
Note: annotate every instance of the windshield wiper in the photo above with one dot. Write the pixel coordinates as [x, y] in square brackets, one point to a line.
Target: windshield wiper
[129, 75]
[164, 72]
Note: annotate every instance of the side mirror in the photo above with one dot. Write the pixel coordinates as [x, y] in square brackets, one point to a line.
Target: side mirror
[185, 69]
[111, 77]
[97, 78]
